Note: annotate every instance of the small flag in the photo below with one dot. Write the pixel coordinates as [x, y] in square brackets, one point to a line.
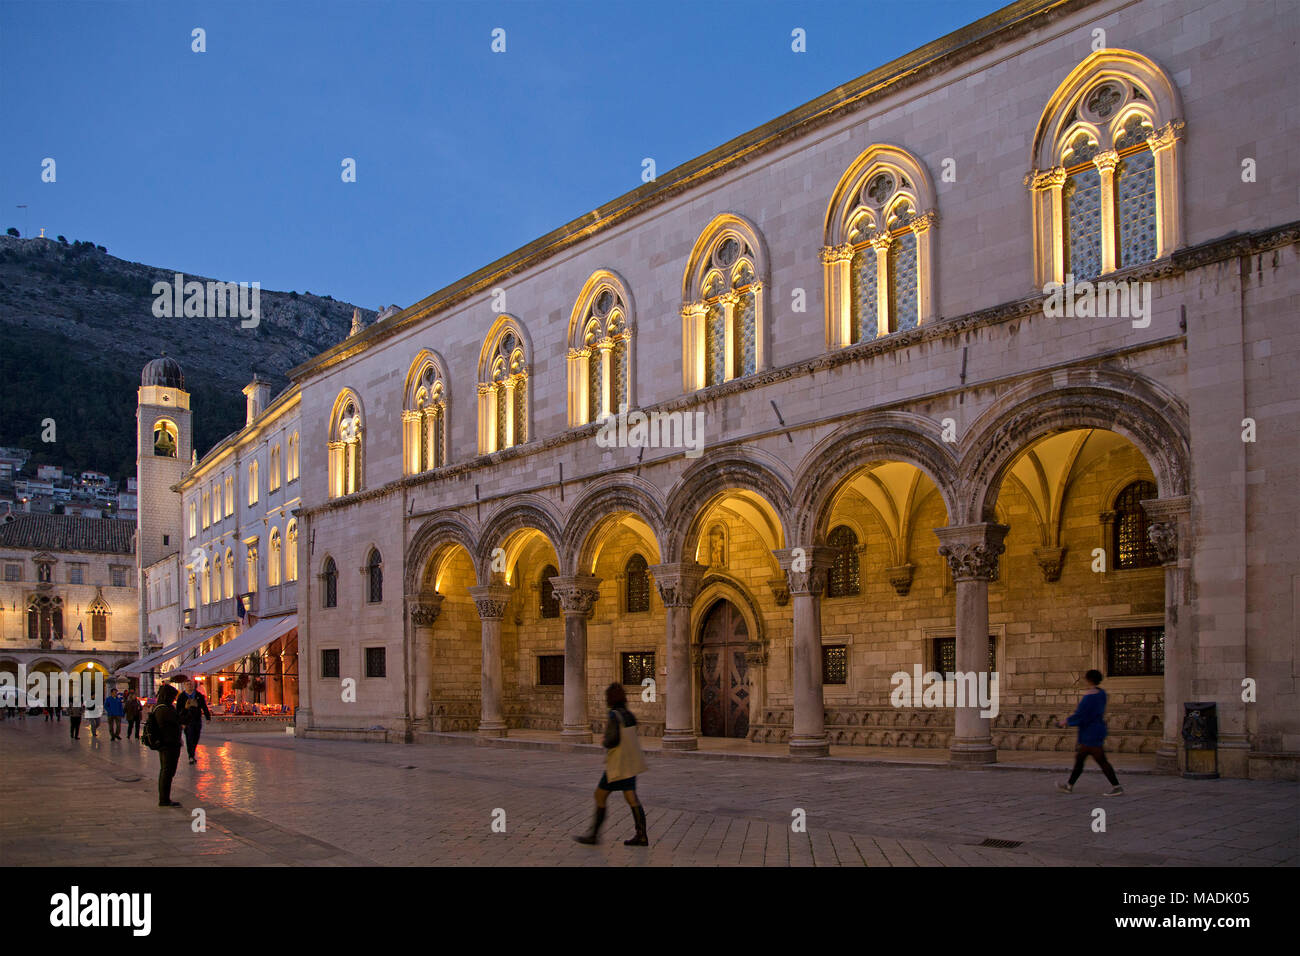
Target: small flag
[242, 612]
[81, 633]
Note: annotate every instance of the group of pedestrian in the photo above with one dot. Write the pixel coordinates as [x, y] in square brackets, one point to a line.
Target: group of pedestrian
[175, 717]
[115, 709]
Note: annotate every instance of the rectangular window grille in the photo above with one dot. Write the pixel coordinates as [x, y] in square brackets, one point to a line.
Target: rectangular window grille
[329, 662]
[117, 577]
[637, 666]
[835, 664]
[945, 654]
[902, 281]
[75, 574]
[375, 663]
[1135, 651]
[13, 572]
[863, 278]
[746, 348]
[550, 670]
[332, 590]
[1136, 218]
[715, 345]
[1083, 223]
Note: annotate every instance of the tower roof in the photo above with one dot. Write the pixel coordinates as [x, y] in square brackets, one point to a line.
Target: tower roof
[163, 371]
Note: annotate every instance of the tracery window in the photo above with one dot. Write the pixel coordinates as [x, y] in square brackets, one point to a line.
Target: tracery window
[723, 306]
[600, 350]
[346, 446]
[878, 248]
[844, 579]
[45, 620]
[424, 420]
[503, 388]
[1132, 547]
[637, 582]
[273, 478]
[1105, 182]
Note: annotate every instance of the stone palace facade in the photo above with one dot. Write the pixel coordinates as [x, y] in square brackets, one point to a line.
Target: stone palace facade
[865, 437]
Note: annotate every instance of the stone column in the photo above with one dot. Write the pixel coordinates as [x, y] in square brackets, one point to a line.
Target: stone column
[806, 569]
[424, 612]
[972, 552]
[491, 600]
[1169, 531]
[577, 595]
[678, 585]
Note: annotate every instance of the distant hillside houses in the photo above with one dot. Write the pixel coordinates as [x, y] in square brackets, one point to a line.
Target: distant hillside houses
[92, 494]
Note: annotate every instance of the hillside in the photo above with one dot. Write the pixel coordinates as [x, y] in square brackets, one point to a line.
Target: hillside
[77, 325]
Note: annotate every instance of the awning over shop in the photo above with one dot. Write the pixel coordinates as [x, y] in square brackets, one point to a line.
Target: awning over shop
[250, 641]
[183, 646]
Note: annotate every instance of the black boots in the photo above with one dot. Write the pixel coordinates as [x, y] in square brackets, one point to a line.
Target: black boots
[593, 835]
[638, 814]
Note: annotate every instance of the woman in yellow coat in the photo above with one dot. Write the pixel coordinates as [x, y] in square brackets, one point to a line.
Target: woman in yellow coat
[623, 761]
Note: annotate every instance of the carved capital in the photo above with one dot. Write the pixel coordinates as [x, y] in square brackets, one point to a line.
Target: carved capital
[924, 221]
[1106, 160]
[900, 578]
[807, 569]
[730, 298]
[692, 309]
[425, 608]
[1165, 515]
[1050, 562]
[881, 241]
[972, 550]
[841, 253]
[1053, 178]
[678, 584]
[780, 590]
[1165, 136]
[491, 600]
[576, 593]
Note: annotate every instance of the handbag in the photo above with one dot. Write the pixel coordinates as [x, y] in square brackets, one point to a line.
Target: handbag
[625, 760]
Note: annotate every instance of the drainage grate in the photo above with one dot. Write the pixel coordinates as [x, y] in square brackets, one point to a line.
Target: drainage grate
[1001, 844]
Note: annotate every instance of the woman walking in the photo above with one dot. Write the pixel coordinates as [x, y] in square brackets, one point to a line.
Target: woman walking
[1092, 732]
[623, 761]
[132, 709]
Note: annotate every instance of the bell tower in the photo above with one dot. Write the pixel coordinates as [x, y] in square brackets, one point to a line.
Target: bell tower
[164, 445]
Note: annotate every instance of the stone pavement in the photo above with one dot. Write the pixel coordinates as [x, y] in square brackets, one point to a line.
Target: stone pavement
[272, 799]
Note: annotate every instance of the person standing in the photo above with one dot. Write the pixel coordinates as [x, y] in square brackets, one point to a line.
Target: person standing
[623, 761]
[1088, 717]
[114, 710]
[74, 721]
[132, 710]
[163, 733]
[193, 707]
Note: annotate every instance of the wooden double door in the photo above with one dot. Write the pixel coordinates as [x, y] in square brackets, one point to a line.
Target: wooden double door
[724, 672]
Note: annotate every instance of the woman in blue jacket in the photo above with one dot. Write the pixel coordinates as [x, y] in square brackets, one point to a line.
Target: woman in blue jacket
[1088, 717]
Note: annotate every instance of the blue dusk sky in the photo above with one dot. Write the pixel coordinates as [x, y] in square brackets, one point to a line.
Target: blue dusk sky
[227, 163]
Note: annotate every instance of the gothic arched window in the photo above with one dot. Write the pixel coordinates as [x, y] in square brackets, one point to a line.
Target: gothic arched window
[878, 248]
[346, 446]
[1133, 549]
[273, 563]
[374, 577]
[291, 468]
[424, 420]
[550, 607]
[1105, 180]
[273, 477]
[637, 582]
[503, 387]
[600, 356]
[722, 304]
[330, 583]
[844, 579]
